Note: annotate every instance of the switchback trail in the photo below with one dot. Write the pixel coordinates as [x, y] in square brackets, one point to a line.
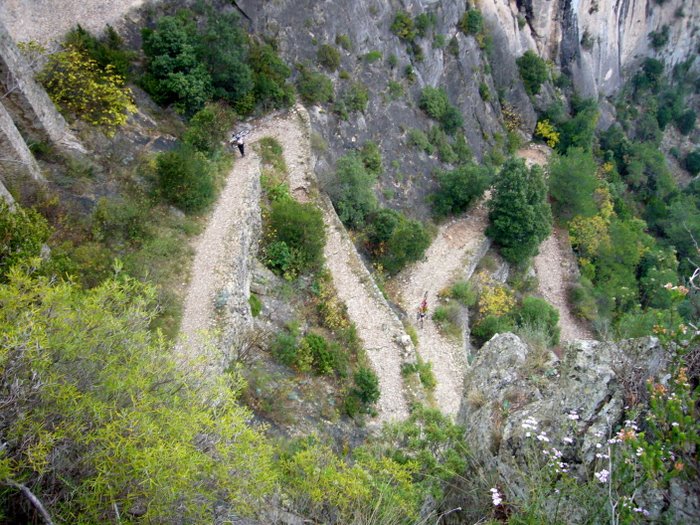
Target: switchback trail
[452, 256]
[226, 248]
[555, 264]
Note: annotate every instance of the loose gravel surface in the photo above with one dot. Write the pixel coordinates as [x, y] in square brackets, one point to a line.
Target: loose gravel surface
[452, 256]
[226, 245]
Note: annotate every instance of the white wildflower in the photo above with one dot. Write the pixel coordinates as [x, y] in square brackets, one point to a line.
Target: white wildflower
[602, 476]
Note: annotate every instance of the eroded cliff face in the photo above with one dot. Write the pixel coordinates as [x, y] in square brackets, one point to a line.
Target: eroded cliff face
[597, 41]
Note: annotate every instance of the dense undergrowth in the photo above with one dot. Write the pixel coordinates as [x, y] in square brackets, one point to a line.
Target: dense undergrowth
[100, 424]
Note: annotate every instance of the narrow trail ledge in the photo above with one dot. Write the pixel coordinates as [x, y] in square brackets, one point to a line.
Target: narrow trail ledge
[452, 256]
[378, 327]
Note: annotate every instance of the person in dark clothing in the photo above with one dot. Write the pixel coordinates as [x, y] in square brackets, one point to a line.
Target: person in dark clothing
[241, 146]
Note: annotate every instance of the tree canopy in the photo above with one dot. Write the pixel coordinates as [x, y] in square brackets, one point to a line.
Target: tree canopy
[519, 215]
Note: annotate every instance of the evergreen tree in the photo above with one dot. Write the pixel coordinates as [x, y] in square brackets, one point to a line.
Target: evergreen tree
[572, 183]
[520, 216]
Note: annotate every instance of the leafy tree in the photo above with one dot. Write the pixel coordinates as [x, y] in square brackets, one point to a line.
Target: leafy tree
[270, 76]
[174, 74]
[79, 86]
[102, 420]
[314, 87]
[185, 178]
[356, 97]
[572, 182]
[459, 188]
[223, 47]
[692, 162]
[23, 232]
[352, 191]
[519, 214]
[208, 128]
[533, 71]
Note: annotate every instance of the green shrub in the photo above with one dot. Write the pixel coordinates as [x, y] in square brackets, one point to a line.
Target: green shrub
[118, 220]
[417, 138]
[314, 87]
[461, 148]
[23, 233]
[185, 179]
[471, 22]
[583, 300]
[300, 227]
[255, 305]
[284, 348]
[394, 89]
[434, 102]
[270, 76]
[439, 41]
[106, 51]
[489, 326]
[659, 39]
[449, 318]
[440, 140]
[344, 42]
[325, 357]
[356, 97]
[462, 292]
[453, 46]
[459, 188]
[373, 56]
[692, 162]
[328, 57]
[395, 241]
[484, 92]
[208, 128]
[271, 154]
[404, 27]
[686, 121]
[424, 371]
[534, 311]
[366, 387]
[372, 157]
[352, 193]
[533, 71]
[424, 22]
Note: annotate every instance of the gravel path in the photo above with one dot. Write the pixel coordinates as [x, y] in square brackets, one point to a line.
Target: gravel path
[377, 326]
[224, 252]
[555, 264]
[223, 256]
[452, 256]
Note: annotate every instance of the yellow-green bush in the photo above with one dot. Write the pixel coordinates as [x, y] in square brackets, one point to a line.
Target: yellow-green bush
[78, 86]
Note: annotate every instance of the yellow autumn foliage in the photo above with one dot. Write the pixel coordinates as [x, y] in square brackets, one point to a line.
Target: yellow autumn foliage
[495, 300]
[545, 130]
[79, 86]
[588, 233]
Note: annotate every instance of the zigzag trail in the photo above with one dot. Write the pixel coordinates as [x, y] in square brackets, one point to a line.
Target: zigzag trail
[225, 249]
[452, 256]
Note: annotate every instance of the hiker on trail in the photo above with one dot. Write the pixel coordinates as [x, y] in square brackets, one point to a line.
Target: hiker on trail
[423, 309]
[241, 145]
